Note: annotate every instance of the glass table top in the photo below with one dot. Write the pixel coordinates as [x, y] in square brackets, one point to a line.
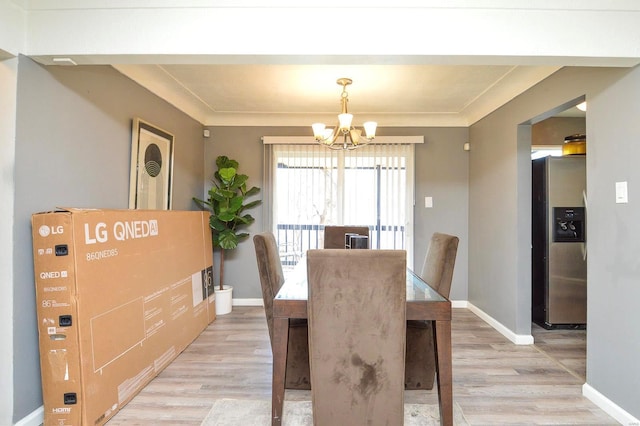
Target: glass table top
[295, 286]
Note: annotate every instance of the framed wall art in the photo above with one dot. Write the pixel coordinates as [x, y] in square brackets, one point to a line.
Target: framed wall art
[151, 167]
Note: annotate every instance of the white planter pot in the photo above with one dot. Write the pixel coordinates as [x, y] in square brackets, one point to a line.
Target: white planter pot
[224, 299]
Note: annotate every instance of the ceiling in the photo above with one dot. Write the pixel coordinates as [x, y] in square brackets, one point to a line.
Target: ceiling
[290, 94]
[264, 63]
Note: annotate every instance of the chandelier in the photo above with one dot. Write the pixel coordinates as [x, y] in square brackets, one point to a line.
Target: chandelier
[344, 136]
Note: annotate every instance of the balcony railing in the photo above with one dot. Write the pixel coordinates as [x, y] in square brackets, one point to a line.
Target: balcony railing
[295, 239]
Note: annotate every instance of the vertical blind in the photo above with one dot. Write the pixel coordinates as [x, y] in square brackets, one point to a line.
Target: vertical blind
[311, 186]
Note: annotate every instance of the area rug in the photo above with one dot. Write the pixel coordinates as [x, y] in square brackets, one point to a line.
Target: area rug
[234, 412]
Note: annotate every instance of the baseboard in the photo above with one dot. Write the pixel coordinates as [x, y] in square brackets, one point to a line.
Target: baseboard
[518, 339]
[608, 406]
[35, 418]
[459, 304]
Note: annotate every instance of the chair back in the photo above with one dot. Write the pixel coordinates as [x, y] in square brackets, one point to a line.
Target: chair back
[334, 235]
[270, 271]
[357, 327]
[437, 270]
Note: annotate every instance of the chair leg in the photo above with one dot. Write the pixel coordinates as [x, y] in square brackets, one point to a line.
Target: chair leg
[298, 373]
[420, 365]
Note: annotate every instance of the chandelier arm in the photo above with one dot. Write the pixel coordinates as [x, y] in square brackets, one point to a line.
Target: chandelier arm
[336, 133]
[335, 147]
[352, 138]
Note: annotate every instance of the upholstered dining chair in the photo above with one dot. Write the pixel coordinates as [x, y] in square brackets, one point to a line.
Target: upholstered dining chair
[437, 271]
[334, 235]
[297, 375]
[357, 325]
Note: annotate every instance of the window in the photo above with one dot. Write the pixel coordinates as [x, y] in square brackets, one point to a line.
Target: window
[312, 186]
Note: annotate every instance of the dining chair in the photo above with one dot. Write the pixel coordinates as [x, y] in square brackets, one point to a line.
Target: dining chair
[357, 324]
[437, 271]
[297, 374]
[334, 235]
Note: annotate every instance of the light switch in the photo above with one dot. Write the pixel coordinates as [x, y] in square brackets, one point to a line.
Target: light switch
[428, 202]
[621, 192]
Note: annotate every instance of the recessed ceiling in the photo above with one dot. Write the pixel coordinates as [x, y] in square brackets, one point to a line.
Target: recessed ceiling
[393, 95]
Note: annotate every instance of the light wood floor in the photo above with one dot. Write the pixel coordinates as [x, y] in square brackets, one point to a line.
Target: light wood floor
[495, 381]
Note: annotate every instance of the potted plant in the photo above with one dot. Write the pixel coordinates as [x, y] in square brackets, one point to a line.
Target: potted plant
[226, 203]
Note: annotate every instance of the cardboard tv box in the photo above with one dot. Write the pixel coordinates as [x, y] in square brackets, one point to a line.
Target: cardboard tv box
[120, 294]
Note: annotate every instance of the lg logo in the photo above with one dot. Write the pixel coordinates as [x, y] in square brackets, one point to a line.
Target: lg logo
[45, 230]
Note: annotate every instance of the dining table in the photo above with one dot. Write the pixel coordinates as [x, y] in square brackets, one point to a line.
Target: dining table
[423, 303]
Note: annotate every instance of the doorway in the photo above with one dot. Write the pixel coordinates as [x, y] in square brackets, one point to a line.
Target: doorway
[558, 220]
[558, 187]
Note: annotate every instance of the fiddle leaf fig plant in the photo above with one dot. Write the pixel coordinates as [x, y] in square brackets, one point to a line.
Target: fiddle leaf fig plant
[226, 202]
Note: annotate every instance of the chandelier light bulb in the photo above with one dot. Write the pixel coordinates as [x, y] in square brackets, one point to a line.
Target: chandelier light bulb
[370, 129]
[345, 121]
[318, 130]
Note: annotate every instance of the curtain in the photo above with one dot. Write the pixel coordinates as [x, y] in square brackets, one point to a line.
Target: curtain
[311, 186]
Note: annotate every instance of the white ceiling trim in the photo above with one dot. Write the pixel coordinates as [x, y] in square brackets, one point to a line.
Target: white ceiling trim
[310, 140]
[517, 81]
[305, 120]
[156, 80]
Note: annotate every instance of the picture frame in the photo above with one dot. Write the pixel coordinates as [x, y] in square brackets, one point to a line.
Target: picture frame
[151, 178]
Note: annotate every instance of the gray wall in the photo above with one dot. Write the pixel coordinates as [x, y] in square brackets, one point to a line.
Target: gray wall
[552, 131]
[8, 88]
[613, 334]
[441, 172]
[73, 147]
[500, 185]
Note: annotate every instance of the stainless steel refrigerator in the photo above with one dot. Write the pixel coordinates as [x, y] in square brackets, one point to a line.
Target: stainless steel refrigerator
[559, 257]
